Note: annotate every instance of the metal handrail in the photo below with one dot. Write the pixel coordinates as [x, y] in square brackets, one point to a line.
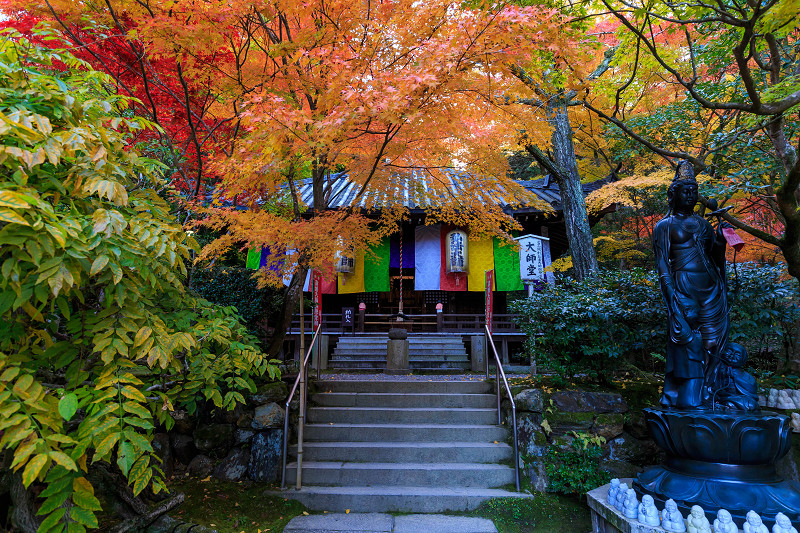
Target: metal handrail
[303, 381]
[501, 373]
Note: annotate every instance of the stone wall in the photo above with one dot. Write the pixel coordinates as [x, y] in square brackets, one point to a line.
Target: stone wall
[550, 420]
[628, 448]
[242, 444]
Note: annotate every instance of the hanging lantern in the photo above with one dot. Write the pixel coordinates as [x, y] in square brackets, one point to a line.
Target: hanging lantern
[344, 264]
[456, 246]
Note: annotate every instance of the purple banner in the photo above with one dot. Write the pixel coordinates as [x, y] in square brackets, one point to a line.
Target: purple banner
[408, 250]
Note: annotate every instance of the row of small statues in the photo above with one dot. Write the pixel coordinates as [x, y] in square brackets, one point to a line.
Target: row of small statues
[624, 500]
[783, 399]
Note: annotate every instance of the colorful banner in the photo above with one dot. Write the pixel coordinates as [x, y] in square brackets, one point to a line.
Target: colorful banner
[328, 286]
[408, 250]
[354, 282]
[481, 259]
[457, 281]
[506, 266]
[489, 301]
[427, 258]
[253, 258]
[376, 268]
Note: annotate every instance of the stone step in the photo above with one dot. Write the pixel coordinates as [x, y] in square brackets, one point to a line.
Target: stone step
[379, 498]
[401, 415]
[387, 399]
[374, 350]
[478, 386]
[333, 431]
[402, 474]
[379, 364]
[413, 452]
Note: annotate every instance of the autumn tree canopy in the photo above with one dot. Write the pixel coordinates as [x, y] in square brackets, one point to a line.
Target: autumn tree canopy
[716, 85]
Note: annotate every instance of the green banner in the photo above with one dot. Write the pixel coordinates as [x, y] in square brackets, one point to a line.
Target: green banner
[253, 258]
[506, 266]
[376, 268]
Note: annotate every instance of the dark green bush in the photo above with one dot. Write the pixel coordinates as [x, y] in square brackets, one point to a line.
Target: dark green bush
[618, 318]
[576, 470]
[235, 286]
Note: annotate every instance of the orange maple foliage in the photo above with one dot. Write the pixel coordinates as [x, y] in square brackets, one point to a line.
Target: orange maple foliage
[380, 89]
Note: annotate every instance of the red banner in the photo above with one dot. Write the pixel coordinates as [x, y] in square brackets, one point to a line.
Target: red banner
[316, 295]
[489, 298]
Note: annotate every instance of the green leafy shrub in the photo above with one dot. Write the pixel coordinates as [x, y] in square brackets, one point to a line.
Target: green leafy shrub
[576, 470]
[99, 337]
[618, 318]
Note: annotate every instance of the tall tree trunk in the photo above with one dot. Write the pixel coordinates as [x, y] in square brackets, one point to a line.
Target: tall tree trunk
[576, 219]
[564, 169]
[291, 299]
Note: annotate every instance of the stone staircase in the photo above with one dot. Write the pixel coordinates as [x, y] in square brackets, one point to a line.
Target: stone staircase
[406, 446]
[428, 352]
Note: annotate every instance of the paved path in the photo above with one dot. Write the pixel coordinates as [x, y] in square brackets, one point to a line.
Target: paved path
[386, 523]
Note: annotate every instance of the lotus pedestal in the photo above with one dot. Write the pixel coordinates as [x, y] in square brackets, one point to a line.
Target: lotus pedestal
[721, 460]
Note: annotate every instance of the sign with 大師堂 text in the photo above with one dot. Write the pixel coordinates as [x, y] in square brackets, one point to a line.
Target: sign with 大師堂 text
[532, 260]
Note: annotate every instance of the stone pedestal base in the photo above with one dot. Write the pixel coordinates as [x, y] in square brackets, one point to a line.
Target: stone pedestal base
[720, 460]
[397, 353]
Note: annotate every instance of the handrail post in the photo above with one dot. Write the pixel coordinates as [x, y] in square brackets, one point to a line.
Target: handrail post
[486, 353]
[302, 382]
[502, 374]
[497, 388]
[300, 424]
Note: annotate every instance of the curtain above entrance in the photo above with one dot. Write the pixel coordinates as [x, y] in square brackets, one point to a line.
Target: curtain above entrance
[427, 257]
[408, 250]
[506, 267]
[376, 268]
[481, 259]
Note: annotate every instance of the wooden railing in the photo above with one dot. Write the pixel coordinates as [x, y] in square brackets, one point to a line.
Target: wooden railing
[503, 324]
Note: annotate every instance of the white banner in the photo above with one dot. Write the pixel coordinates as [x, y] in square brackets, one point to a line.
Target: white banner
[532, 260]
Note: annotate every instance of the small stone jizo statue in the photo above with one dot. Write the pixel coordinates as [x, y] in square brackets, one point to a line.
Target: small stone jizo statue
[671, 519]
[697, 521]
[648, 514]
[619, 502]
[611, 499]
[753, 523]
[724, 523]
[783, 524]
[630, 508]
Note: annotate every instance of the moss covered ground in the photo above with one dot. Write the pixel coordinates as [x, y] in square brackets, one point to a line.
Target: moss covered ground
[545, 513]
[243, 508]
[233, 507]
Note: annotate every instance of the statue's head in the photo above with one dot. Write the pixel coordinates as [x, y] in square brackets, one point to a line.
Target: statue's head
[753, 519]
[734, 355]
[648, 501]
[670, 505]
[724, 516]
[697, 511]
[682, 192]
[783, 521]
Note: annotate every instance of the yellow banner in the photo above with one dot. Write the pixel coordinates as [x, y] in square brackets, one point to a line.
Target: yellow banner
[354, 282]
[481, 259]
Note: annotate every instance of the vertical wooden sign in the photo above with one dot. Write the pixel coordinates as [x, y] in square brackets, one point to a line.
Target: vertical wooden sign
[316, 297]
[489, 298]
